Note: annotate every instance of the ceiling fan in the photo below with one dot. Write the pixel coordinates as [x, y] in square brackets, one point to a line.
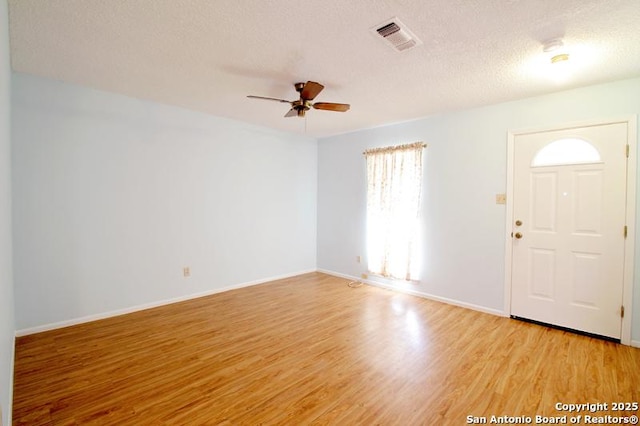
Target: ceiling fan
[308, 91]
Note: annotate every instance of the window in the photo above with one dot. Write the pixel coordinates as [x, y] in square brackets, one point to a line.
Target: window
[394, 184]
[566, 151]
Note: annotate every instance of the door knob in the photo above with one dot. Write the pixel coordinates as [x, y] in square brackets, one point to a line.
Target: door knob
[518, 235]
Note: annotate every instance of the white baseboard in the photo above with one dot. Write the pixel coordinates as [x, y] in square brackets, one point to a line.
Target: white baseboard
[418, 293]
[104, 315]
[635, 343]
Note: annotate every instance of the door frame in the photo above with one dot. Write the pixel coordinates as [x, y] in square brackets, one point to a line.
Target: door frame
[630, 214]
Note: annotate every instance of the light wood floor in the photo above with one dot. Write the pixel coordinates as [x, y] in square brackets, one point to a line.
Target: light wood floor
[311, 350]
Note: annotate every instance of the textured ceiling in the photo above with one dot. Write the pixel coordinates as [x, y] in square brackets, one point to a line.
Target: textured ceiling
[207, 55]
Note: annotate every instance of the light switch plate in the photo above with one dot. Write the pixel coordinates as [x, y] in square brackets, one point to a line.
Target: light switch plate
[501, 198]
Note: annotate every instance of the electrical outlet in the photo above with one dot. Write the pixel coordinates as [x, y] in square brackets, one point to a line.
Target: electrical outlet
[186, 271]
[364, 276]
[358, 259]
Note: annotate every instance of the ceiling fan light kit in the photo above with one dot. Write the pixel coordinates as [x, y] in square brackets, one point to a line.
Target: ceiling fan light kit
[308, 91]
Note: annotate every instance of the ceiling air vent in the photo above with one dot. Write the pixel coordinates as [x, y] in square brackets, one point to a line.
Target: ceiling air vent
[397, 35]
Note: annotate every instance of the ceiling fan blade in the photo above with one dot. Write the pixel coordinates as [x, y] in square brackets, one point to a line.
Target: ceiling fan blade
[311, 90]
[292, 113]
[330, 106]
[269, 99]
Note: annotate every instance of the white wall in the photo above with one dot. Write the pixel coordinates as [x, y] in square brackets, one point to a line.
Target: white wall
[7, 327]
[465, 167]
[114, 195]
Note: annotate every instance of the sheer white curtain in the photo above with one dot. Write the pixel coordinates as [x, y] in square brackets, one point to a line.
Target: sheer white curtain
[394, 184]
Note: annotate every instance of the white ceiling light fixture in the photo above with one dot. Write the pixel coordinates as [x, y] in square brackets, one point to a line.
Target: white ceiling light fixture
[555, 47]
[558, 59]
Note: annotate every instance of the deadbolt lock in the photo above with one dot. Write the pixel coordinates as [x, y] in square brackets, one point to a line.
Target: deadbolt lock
[518, 223]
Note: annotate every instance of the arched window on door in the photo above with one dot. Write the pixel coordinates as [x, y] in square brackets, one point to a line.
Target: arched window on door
[566, 151]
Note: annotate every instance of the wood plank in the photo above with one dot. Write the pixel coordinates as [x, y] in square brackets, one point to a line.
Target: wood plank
[311, 350]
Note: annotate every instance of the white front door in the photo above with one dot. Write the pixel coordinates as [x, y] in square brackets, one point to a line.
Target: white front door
[569, 208]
